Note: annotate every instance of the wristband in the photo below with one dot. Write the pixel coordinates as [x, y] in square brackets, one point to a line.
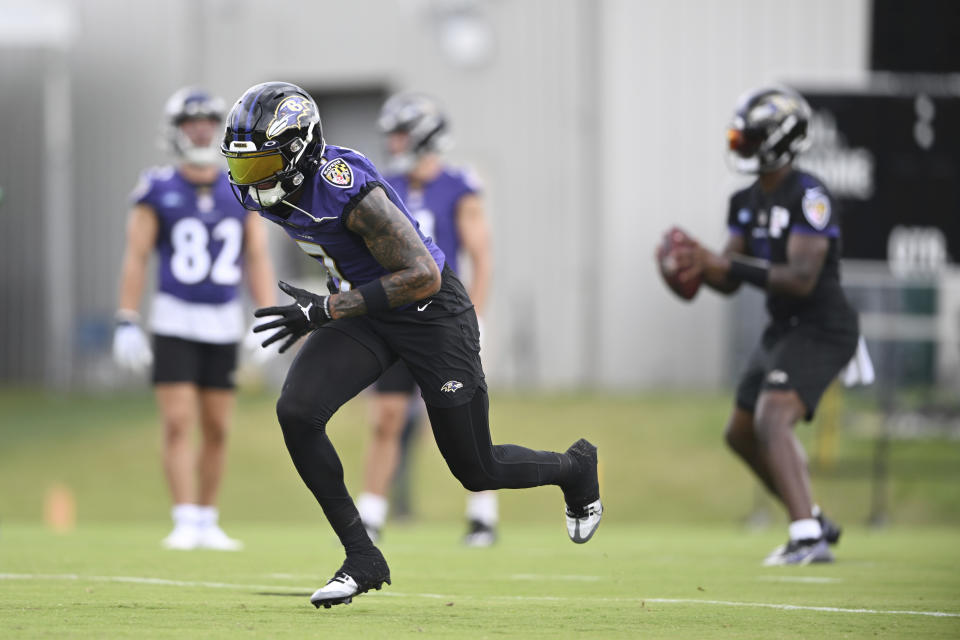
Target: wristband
[750, 272]
[126, 316]
[374, 296]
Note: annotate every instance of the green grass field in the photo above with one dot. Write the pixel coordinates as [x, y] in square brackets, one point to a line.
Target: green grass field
[672, 558]
[630, 581]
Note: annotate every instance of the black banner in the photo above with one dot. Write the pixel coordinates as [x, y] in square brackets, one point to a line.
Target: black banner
[893, 162]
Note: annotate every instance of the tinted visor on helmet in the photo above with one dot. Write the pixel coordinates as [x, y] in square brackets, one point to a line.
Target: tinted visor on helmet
[254, 168]
[745, 142]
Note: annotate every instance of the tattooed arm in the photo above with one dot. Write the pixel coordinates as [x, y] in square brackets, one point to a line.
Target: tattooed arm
[806, 255]
[396, 245]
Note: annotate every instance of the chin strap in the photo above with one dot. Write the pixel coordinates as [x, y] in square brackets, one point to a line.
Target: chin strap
[306, 213]
[311, 165]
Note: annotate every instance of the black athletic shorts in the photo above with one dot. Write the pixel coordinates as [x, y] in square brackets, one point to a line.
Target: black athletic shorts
[802, 356]
[205, 364]
[396, 379]
[437, 338]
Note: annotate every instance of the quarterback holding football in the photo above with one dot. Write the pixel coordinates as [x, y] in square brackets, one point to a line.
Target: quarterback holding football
[784, 238]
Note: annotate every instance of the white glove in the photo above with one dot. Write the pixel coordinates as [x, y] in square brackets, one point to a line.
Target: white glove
[131, 347]
[251, 344]
[859, 371]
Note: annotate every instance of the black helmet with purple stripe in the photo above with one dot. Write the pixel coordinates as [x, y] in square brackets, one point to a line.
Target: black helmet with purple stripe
[273, 140]
[768, 130]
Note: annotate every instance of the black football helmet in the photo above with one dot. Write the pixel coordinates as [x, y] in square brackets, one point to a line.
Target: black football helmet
[272, 138]
[769, 129]
[191, 103]
[421, 118]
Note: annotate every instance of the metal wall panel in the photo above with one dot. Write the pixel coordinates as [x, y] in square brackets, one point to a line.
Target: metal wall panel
[22, 340]
[594, 125]
[674, 71]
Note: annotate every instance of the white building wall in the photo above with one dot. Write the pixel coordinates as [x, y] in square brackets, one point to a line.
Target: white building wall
[515, 120]
[595, 125]
[672, 73]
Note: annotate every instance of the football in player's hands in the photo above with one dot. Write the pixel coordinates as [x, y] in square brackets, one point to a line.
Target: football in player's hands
[675, 259]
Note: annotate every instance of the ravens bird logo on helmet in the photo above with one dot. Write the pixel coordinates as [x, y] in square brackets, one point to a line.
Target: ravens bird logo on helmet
[273, 140]
[769, 129]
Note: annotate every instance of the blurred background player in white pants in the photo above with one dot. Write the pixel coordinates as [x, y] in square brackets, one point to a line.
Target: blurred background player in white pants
[205, 242]
[447, 203]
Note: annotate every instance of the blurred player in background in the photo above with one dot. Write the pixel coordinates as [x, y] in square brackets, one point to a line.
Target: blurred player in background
[204, 241]
[396, 299]
[447, 204]
[784, 237]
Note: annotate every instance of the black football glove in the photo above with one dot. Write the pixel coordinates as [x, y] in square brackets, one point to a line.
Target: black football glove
[307, 312]
[331, 285]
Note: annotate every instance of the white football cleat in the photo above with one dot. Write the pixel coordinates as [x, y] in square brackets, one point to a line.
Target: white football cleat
[339, 590]
[582, 522]
[213, 537]
[800, 552]
[184, 537]
[367, 571]
[480, 535]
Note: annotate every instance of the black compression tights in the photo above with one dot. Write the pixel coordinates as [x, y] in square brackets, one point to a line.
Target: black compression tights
[463, 437]
[330, 369]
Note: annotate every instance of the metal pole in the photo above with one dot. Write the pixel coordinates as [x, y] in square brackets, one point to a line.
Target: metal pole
[58, 234]
[589, 16]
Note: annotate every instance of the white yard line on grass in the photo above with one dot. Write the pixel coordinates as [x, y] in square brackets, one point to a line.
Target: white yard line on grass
[307, 589]
[142, 580]
[803, 579]
[794, 607]
[540, 576]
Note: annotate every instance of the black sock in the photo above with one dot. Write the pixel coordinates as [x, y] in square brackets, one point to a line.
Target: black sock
[345, 520]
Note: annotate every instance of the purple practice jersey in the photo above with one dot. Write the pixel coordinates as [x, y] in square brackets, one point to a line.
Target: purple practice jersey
[334, 190]
[199, 238]
[434, 206]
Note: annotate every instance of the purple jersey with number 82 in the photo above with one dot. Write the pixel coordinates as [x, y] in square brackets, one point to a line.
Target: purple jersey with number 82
[199, 236]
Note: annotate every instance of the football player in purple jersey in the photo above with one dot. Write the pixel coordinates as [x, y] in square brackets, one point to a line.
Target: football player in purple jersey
[205, 243]
[447, 204]
[784, 238]
[395, 299]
